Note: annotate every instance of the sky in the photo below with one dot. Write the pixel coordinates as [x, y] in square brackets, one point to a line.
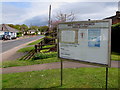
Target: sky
[36, 12]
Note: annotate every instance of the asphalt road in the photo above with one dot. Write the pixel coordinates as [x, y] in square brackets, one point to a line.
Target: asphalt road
[7, 45]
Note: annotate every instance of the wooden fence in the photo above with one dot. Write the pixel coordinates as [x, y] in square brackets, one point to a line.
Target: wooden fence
[44, 42]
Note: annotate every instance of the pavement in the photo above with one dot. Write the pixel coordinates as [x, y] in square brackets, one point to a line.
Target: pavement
[9, 44]
[55, 65]
[9, 48]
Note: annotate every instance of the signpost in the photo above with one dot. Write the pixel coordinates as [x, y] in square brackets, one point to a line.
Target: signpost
[85, 41]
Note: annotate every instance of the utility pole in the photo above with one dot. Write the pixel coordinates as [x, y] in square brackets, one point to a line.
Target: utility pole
[49, 22]
[119, 6]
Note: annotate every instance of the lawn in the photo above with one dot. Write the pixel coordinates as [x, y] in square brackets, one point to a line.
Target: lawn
[115, 56]
[28, 62]
[72, 78]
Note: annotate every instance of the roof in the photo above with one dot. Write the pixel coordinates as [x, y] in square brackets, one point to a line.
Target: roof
[115, 16]
[6, 28]
[32, 30]
[110, 17]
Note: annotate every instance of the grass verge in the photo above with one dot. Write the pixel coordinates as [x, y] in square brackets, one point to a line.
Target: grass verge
[35, 42]
[115, 56]
[26, 49]
[39, 61]
[72, 78]
[28, 62]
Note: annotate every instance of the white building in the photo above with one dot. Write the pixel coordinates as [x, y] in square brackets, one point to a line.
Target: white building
[7, 30]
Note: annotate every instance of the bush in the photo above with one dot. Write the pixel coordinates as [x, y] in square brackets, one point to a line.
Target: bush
[115, 36]
[44, 55]
[19, 34]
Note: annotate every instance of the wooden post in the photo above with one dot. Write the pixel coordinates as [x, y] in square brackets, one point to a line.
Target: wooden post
[41, 45]
[36, 48]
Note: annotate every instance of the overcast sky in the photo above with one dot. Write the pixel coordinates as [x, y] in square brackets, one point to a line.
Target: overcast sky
[36, 13]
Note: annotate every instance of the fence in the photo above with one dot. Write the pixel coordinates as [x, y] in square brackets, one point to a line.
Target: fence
[45, 42]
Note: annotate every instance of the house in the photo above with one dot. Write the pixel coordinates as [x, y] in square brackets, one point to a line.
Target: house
[115, 18]
[33, 32]
[8, 31]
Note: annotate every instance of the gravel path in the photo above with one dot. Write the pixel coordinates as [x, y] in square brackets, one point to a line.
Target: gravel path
[55, 65]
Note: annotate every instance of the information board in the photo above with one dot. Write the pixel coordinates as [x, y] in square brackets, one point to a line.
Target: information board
[86, 41]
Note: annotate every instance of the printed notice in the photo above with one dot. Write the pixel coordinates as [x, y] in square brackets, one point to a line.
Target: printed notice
[94, 37]
[68, 36]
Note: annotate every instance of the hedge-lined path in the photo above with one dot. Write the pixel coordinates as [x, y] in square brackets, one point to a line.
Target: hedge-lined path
[55, 65]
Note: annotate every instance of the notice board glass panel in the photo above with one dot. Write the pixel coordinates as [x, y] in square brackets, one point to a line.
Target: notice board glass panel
[93, 41]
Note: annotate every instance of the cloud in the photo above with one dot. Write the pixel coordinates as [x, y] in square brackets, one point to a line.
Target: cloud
[13, 14]
[19, 12]
[37, 20]
[60, 0]
[36, 13]
[86, 10]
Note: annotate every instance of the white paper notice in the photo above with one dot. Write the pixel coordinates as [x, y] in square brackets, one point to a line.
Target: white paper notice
[68, 36]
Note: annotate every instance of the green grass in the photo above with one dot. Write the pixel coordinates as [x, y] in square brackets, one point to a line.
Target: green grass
[14, 63]
[35, 42]
[48, 46]
[72, 78]
[26, 49]
[115, 56]
[28, 62]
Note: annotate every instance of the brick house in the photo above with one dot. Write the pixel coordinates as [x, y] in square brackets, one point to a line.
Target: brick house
[115, 18]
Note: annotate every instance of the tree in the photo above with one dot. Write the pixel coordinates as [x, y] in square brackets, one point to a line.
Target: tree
[63, 17]
[43, 28]
[34, 28]
[24, 28]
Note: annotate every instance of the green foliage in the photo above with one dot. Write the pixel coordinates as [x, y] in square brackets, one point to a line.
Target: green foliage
[19, 34]
[34, 27]
[15, 26]
[116, 26]
[43, 28]
[44, 55]
[72, 78]
[115, 36]
[48, 46]
[26, 49]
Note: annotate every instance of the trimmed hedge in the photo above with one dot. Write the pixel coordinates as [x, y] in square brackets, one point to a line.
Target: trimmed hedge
[44, 55]
[115, 38]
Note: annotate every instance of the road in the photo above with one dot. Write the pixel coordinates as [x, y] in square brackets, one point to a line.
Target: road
[7, 45]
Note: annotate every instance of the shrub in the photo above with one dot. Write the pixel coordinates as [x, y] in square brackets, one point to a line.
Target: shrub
[44, 55]
[19, 34]
[115, 36]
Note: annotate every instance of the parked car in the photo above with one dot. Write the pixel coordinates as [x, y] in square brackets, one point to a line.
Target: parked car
[7, 37]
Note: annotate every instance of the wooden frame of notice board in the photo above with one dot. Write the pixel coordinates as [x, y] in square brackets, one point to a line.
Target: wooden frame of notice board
[83, 25]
